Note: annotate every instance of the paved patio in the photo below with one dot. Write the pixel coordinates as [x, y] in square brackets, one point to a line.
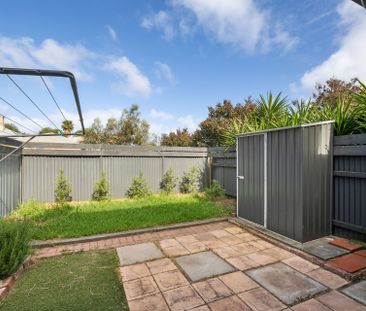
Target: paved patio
[221, 266]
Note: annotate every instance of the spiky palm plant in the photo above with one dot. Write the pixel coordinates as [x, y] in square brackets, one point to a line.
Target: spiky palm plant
[360, 103]
[301, 113]
[271, 111]
[344, 116]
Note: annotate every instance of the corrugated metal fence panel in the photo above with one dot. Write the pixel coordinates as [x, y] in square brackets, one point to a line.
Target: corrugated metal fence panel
[9, 184]
[223, 169]
[284, 182]
[40, 173]
[182, 165]
[350, 188]
[317, 190]
[121, 170]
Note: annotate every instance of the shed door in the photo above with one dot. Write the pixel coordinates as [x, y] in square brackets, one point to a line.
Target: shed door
[250, 178]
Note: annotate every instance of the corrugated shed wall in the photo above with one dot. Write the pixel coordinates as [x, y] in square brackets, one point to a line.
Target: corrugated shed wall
[284, 182]
[317, 181]
[40, 173]
[9, 184]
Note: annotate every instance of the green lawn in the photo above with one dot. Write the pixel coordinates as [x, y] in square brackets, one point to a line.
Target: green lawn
[80, 281]
[114, 216]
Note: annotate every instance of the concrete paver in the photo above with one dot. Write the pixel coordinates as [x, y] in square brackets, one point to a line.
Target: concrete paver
[203, 265]
[133, 272]
[154, 302]
[327, 278]
[260, 300]
[137, 253]
[350, 263]
[232, 303]
[161, 265]
[300, 264]
[357, 291]
[287, 284]
[212, 289]
[310, 305]
[170, 280]
[140, 287]
[238, 282]
[183, 298]
[323, 250]
[338, 302]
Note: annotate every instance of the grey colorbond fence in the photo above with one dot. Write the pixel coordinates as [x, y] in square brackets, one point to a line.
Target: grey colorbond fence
[84, 164]
[223, 168]
[32, 173]
[349, 217]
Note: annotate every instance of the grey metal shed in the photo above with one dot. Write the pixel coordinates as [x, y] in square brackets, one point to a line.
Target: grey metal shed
[284, 180]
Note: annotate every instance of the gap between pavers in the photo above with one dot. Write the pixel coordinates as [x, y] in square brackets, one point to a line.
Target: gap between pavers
[107, 236]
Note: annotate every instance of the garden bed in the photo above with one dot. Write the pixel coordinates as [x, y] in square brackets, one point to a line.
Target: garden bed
[91, 218]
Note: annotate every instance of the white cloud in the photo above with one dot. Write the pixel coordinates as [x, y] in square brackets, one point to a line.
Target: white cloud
[162, 122]
[112, 33]
[349, 60]
[133, 81]
[24, 52]
[163, 71]
[187, 122]
[155, 114]
[161, 21]
[241, 24]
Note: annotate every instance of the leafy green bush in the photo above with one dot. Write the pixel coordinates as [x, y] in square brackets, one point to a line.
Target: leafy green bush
[215, 190]
[191, 181]
[169, 182]
[139, 187]
[101, 189]
[63, 189]
[15, 236]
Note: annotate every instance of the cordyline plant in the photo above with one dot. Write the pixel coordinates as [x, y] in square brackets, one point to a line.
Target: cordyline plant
[348, 114]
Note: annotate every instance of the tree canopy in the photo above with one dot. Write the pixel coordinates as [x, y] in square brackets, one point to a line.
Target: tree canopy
[130, 129]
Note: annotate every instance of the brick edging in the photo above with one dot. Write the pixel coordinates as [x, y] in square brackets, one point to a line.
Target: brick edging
[99, 237]
[320, 262]
[8, 283]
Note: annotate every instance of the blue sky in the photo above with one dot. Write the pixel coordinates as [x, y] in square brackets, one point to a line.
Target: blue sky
[177, 57]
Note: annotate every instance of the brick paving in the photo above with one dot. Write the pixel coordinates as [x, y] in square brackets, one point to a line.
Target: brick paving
[161, 284]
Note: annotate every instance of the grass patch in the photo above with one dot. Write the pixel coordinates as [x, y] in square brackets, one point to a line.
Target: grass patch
[114, 216]
[81, 281]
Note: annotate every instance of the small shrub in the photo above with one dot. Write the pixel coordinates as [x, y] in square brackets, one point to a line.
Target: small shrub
[169, 182]
[30, 208]
[191, 181]
[63, 189]
[139, 187]
[215, 190]
[101, 189]
[15, 236]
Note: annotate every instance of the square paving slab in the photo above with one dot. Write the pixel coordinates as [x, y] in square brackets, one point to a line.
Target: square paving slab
[357, 291]
[286, 283]
[137, 253]
[203, 265]
[323, 250]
